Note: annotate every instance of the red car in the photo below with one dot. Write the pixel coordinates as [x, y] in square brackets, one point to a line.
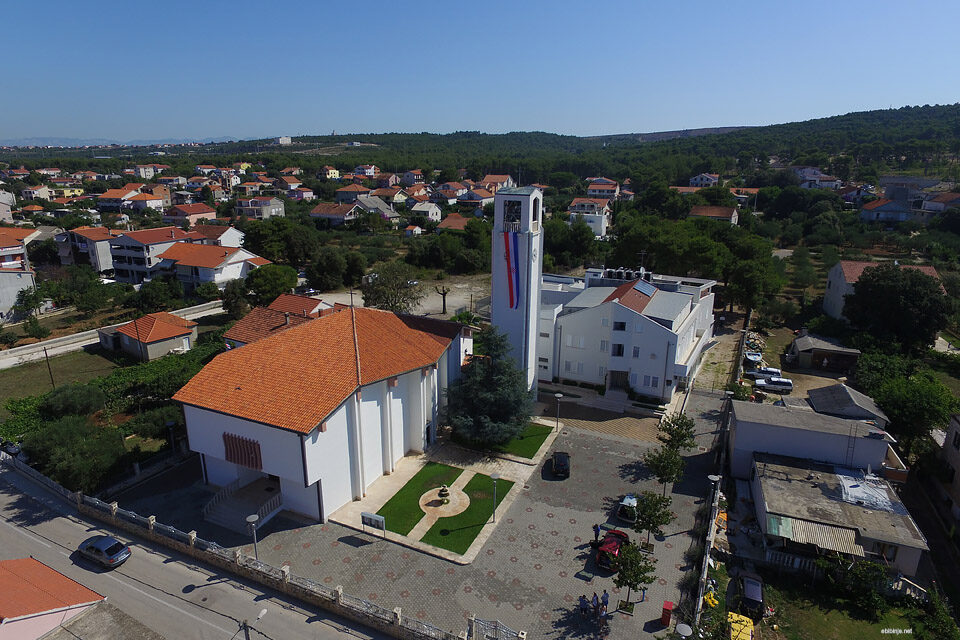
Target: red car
[610, 545]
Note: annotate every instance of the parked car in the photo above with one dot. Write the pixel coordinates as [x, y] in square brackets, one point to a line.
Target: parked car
[609, 548]
[10, 447]
[751, 595]
[774, 385]
[761, 373]
[104, 550]
[561, 464]
[627, 509]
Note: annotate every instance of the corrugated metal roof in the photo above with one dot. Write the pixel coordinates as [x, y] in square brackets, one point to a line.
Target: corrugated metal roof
[823, 536]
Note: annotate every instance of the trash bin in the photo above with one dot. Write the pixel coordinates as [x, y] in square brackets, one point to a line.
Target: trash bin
[667, 613]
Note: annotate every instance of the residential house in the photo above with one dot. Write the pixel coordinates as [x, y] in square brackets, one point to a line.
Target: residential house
[448, 197]
[392, 195]
[7, 202]
[116, 199]
[336, 214]
[806, 508]
[146, 201]
[199, 182]
[249, 188]
[724, 214]
[84, 176]
[260, 323]
[419, 189]
[376, 383]
[183, 197]
[594, 211]
[38, 600]
[805, 433]
[809, 351]
[329, 173]
[151, 336]
[367, 170]
[195, 263]
[220, 235]
[884, 210]
[413, 201]
[300, 305]
[426, 209]
[87, 245]
[941, 202]
[412, 231]
[204, 169]
[387, 180]
[705, 180]
[15, 272]
[145, 171]
[301, 194]
[412, 177]
[49, 172]
[843, 275]
[476, 198]
[949, 483]
[38, 192]
[291, 171]
[176, 182]
[287, 183]
[160, 190]
[136, 254]
[453, 222]
[260, 208]
[603, 188]
[633, 332]
[350, 193]
[373, 204]
[493, 182]
[745, 195]
[283, 140]
[192, 214]
[457, 188]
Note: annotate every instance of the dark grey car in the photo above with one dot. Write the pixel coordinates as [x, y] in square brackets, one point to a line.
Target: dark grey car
[104, 550]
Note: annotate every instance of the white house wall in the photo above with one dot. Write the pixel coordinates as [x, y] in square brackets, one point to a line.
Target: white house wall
[329, 460]
[746, 438]
[302, 500]
[371, 399]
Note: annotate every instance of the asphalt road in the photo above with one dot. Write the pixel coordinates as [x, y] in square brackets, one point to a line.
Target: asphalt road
[171, 594]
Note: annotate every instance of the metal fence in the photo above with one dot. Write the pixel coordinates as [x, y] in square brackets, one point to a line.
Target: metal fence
[367, 608]
[426, 630]
[492, 630]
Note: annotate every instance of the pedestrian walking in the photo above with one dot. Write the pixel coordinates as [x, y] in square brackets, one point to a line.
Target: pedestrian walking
[596, 533]
[584, 607]
[603, 613]
[596, 605]
[605, 599]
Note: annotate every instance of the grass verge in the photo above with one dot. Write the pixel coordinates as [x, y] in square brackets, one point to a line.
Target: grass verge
[402, 512]
[524, 445]
[458, 532]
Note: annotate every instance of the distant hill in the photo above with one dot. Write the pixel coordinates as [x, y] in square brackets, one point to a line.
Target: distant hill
[657, 136]
[42, 141]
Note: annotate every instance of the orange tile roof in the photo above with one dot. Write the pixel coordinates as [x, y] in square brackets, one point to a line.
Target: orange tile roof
[494, 178]
[30, 587]
[295, 379]
[483, 193]
[257, 261]
[260, 323]
[630, 297]
[7, 241]
[300, 305]
[115, 194]
[454, 222]
[853, 269]
[686, 189]
[158, 326]
[876, 203]
[96, 234]
[600, 202]
[332, 209]
[191, 209]
[162, 234]
[710, 211]
[209, 256]
[140, 197]
[354, 187]
[211, 230]
[17, 232]
[33, 207]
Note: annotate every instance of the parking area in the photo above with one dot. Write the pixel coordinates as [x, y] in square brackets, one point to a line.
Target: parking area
[531, 570]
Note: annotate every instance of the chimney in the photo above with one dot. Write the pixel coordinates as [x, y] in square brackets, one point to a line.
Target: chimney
[172, 233]
[286, 318]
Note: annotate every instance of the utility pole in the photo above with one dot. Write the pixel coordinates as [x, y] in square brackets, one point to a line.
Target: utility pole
[49, 370]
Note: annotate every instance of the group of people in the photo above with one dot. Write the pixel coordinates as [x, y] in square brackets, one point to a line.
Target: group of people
[599, 605]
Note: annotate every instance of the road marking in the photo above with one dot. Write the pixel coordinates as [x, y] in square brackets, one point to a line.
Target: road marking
[21, 531]
[175, 608]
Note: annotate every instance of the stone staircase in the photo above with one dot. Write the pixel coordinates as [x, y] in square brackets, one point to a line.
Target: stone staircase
[262, 497]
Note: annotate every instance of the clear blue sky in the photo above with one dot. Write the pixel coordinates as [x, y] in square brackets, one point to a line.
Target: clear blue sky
[126, 70]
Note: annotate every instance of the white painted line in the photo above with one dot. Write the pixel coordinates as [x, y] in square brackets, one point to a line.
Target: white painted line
[174, 607]
[22, 531]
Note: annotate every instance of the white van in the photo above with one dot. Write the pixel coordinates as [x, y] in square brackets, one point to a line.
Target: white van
[775, 385]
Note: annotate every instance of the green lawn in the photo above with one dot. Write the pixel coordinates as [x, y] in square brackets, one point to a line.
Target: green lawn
[402, 512]
[802, 615]
[527, 443]
[33, 378]
[458, 532]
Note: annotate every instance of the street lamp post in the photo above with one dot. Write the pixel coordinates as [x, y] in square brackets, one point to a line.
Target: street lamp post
[246, 625]
[252, 525]
[494, 476]
[558, 395]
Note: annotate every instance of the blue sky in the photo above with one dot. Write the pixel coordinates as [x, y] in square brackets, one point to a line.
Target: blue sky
[128, 70]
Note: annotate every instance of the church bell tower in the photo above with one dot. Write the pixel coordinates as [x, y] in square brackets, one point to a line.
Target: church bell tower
[517, 267]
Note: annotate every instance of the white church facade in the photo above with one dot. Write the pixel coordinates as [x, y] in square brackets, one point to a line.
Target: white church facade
[325, 408]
